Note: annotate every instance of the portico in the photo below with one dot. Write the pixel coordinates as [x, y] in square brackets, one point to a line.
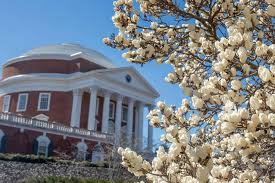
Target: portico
[131, 125]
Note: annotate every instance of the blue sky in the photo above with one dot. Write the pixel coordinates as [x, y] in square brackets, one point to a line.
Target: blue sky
[32, 23]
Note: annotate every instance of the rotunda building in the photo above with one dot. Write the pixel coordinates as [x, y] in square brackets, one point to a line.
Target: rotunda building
[68, 94]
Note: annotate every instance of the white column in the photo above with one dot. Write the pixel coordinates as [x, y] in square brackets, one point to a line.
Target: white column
[106, 108]
[118, 119]
[130, 115]
[140, 126]
[92, 109]
[150, 133]
[76, 108]
[136, 127]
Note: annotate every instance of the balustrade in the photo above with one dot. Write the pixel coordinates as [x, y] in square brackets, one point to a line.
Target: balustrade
[21, 121]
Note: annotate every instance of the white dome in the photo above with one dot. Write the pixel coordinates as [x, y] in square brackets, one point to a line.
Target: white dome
[64, 51]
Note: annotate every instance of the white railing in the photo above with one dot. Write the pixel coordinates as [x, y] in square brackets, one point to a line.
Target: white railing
[53, 126]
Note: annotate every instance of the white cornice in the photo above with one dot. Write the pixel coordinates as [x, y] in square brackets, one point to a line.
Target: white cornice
[68, 82]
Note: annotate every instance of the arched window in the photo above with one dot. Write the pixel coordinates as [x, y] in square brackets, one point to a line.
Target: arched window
[97, 154]
[81, 151]
[43, 143]
[3, 140]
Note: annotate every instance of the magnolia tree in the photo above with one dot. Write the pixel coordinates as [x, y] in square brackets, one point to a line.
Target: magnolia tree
[223, 55]
[113, 159]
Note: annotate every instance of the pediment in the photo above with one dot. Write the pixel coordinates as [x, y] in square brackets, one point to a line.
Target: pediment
[41, 117]
[128, 76]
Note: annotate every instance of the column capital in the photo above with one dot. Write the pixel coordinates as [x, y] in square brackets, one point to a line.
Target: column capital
[77, 91]
[141, 104]
[119, 97]
[131, 100]
[93, 88]
[107, 93]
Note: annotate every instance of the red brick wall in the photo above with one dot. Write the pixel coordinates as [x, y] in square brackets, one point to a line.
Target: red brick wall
[19, 142]
[49, 66]
[60, 145]
[22, 142]
[60, 106]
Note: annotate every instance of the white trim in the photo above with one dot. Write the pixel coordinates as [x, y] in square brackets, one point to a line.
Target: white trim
[26, 84]
[18, 102]
[39, 101]
[41, 117]
[58, 129]
[80, 76]
[8, 103]
[113, 110]
[68, 82]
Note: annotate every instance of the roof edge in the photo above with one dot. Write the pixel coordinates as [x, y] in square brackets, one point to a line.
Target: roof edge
[58, 56]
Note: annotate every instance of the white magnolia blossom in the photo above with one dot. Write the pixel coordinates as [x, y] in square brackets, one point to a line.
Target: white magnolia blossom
[271, 10]
[222, 54]
[197, 102]
[242, 52]
[255, 103]
[264, 74]
[270, 102]
[236, 85]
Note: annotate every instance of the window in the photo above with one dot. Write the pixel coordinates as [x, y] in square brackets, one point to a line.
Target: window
[124, 113]
[43, 143]
[81, 151]
[44, 101]
[42, 149]
[112, 110]
[6, 103]
[97, 154]
[81, 155]
[22, 102]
